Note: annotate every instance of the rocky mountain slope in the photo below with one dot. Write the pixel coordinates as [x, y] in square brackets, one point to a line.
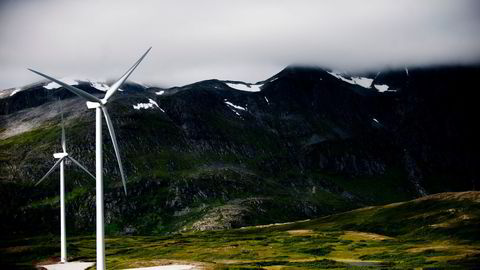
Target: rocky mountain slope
[220, 154]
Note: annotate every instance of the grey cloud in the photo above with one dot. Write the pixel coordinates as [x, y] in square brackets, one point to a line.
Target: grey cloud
[243, 40]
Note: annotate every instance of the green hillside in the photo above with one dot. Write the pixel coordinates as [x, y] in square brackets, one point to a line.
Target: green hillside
[436, 231]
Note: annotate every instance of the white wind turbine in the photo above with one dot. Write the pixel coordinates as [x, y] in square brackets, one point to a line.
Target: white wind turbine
[61, 162]
[99, 105]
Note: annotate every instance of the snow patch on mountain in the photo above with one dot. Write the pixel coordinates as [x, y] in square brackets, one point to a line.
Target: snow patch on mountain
[16, 90]
[383, 88]
[362, 81]
[150, 105]
[245, 86]
[54, 85]
[153, 102]
[234, 107]
[159, 93]
[100, 86]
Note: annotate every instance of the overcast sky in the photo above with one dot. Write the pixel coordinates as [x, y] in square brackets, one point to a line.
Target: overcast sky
[239, 40]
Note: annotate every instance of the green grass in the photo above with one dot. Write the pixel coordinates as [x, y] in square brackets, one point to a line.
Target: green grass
[421, 233]
[44, 134]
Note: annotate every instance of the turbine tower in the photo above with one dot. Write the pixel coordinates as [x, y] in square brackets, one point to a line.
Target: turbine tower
[99, 105]
[61, 162]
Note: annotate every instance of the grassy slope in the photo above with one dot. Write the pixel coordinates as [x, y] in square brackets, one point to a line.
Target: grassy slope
[435, 231]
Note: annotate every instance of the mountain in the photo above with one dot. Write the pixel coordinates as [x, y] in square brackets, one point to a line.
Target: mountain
[223, 154]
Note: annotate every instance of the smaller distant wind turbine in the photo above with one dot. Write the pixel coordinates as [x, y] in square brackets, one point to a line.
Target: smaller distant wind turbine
[100, 106]
[61, 162]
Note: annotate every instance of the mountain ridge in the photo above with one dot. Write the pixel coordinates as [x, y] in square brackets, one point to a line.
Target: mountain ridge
[209, 156]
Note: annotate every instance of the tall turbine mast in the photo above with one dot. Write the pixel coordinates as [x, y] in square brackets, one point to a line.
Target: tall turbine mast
[99, 105]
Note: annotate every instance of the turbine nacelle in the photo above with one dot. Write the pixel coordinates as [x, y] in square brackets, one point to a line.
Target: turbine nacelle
[94, 105]
[60, 155]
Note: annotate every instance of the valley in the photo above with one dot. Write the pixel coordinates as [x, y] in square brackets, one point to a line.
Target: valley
[436, 231]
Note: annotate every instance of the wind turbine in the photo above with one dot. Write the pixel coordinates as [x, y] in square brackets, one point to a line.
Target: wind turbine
[99, 105]
[61, 162]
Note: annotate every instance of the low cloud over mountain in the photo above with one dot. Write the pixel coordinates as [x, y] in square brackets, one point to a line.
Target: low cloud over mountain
[246, 40]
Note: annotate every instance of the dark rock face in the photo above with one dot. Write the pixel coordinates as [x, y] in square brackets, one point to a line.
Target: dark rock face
[433, 119]
[307, 144]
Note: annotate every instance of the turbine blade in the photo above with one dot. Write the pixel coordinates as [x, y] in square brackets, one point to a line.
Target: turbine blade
[81, 166]
[64, 143]
[70, 88]
[115, 145]
[50, 171]
[122, 79]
